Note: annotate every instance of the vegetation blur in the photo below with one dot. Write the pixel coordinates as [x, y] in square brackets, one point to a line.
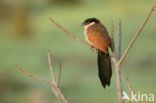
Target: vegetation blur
[26, 34]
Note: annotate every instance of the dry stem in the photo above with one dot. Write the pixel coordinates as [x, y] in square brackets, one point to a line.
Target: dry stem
[130, 87]
[30, 75]
[136, 35]
[50, 67]
[112, 35]
[59, 77]
[67, 32]
[119, 82]
[120, 40]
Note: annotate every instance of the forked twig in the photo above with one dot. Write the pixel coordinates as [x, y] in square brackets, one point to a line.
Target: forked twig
[136, 35]
[114, 61]
[117, 66]
[54, 86]
[56, 90]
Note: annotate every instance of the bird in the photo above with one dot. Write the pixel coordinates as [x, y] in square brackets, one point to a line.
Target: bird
[97, 36]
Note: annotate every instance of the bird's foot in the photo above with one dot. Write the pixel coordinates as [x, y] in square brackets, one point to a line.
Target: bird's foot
[93, 48]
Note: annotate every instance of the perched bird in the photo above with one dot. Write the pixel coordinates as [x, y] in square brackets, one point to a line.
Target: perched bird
[97, 36]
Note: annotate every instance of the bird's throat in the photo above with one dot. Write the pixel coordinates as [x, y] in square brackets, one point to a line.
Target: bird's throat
[85, 32]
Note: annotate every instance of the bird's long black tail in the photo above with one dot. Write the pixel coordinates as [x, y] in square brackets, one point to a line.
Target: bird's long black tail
[105, 69]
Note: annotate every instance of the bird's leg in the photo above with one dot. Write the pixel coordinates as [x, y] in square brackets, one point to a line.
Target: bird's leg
[92, 48]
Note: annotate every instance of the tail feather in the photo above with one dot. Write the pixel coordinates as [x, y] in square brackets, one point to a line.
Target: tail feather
[104, 67]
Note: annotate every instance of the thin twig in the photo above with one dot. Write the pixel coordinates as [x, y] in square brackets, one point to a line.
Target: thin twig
[30, 75]
[135, 36]
[112, 36]
[51, 68]
[120, 39]
[67, 32]
[59, 76]
[130, 87]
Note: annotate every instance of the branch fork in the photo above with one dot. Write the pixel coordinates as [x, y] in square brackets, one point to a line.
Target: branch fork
[54, 85]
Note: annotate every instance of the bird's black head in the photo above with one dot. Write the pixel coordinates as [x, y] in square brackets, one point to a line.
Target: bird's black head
[90, 20]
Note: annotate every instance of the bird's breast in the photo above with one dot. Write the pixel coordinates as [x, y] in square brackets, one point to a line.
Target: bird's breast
[97, 37]
[86, 33]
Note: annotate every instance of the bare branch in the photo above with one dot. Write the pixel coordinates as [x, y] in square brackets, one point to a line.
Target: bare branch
[51, 68]
[120, 39]
[130, 87]
[119, 83]
[112, 36]
[55, 89]
[136, 35]
[30, 75]
[112, 29]
[59, 76]
[67, 32]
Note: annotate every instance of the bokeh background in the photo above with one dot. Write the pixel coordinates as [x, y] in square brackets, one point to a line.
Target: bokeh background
[26, 34]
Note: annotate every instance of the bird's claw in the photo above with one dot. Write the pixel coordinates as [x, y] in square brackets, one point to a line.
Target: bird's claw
[93, 48]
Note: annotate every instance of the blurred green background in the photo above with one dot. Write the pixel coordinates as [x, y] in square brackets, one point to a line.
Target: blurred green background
[26, 34]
